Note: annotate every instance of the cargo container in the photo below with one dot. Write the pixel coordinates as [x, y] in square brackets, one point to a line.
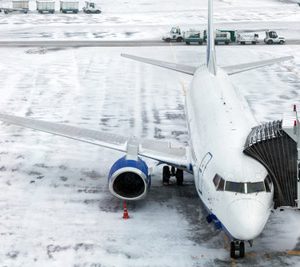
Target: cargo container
[193, 36]
[69, 6]
[18, 6]
[45, 6]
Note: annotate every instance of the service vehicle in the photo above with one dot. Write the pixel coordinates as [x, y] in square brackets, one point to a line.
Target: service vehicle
[193, 36]
[175, 34]
[69, 6]
[45, 6]
[91, 8]
[21, 6]
[273, 38]
[247, 38]
[222, 37]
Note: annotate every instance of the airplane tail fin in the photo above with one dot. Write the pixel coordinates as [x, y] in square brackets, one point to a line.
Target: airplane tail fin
[211, 52]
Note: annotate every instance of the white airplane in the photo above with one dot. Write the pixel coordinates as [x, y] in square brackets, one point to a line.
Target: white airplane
[235, 189]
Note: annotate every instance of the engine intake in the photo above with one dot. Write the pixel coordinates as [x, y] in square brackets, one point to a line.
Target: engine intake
[129, 179]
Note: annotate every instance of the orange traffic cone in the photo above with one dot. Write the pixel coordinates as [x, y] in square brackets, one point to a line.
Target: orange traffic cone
[125, 213]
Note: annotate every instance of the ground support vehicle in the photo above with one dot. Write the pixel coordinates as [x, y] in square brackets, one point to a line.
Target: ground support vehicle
[193, 36]
[222, 37]
[91, 8]
[233, 34]
[273, 38]
[247, 38]
[45, 6]
[69, 6]
[175, 34]
[21, 6]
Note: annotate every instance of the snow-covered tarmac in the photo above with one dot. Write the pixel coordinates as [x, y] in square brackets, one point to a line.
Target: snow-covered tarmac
[55, 206]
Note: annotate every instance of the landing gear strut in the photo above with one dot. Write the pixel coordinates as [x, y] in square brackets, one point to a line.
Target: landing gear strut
[169, 172]
[238, 246]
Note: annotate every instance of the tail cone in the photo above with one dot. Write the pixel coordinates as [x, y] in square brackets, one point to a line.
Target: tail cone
[125, 213]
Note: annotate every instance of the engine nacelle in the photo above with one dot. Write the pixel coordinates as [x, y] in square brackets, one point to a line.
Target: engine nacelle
[129, 179]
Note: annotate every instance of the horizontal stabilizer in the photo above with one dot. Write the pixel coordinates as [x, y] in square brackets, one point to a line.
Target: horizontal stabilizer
[167, 65]
[234, 69]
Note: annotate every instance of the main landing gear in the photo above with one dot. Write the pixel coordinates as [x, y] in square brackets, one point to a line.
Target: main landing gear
[237, 246]
[169, 172]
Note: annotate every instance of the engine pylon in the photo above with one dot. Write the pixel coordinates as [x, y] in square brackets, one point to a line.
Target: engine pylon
[125, 212]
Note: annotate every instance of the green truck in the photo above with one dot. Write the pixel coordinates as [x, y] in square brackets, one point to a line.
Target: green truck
[193, 36]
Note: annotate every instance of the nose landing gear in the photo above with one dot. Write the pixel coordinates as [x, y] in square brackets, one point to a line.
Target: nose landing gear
[168, 173]
[238, 246]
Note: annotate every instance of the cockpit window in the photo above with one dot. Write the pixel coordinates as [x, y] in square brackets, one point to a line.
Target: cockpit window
[244, 188]
[219, 182]
[268, 183]
[235, 187]
[255, 187]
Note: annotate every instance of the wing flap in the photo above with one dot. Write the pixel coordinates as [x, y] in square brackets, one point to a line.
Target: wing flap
[190, 70]
[234, 69]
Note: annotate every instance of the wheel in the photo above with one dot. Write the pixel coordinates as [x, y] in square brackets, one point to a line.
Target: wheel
[188, 43]
[166, 175]
[173, 171]
[200, 43]
[232, 250]
[227, 43]
[179, 177]
[270, 42]
[168, 40]
[98, 12]
[242, 249]
[243, 43]
[88, 12]
[254, 42]
[179, 39]
[281, 42]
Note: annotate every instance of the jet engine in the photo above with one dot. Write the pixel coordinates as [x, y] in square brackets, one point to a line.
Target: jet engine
[129, 179]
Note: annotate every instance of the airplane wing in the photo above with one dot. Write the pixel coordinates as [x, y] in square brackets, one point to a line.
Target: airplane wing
[234, 69]
[158, 150]
[190, 70]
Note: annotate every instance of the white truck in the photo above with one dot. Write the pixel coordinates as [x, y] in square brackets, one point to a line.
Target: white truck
[247, 38]
[273, 38]
[91, 8]
[222, 37]
[45, 6]
[21, 6]
[70, 6]
[175, 34]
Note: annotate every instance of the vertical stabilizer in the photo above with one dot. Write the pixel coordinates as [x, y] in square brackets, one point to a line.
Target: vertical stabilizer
[211, 53]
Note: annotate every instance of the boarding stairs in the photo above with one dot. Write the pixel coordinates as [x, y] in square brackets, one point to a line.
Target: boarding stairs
[277, 146]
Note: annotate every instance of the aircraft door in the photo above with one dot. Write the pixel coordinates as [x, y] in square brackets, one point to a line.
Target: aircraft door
[201, 170]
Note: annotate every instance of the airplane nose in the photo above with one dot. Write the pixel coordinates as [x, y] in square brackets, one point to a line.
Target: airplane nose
[247, 218]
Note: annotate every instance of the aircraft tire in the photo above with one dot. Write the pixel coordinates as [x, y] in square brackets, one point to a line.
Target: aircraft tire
[166, 175]
[232, 250]
[179, 177]
[173, 171]
[242, 249]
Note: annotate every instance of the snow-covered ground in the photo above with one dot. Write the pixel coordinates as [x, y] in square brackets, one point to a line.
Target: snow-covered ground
[55, 206]
[146, 19]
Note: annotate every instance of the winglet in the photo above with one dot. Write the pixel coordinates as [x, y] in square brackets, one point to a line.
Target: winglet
[211, 52]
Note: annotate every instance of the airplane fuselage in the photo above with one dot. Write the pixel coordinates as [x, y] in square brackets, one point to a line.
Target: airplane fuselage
[230, 184]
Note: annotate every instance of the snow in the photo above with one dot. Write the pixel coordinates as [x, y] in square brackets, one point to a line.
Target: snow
[55, 206]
